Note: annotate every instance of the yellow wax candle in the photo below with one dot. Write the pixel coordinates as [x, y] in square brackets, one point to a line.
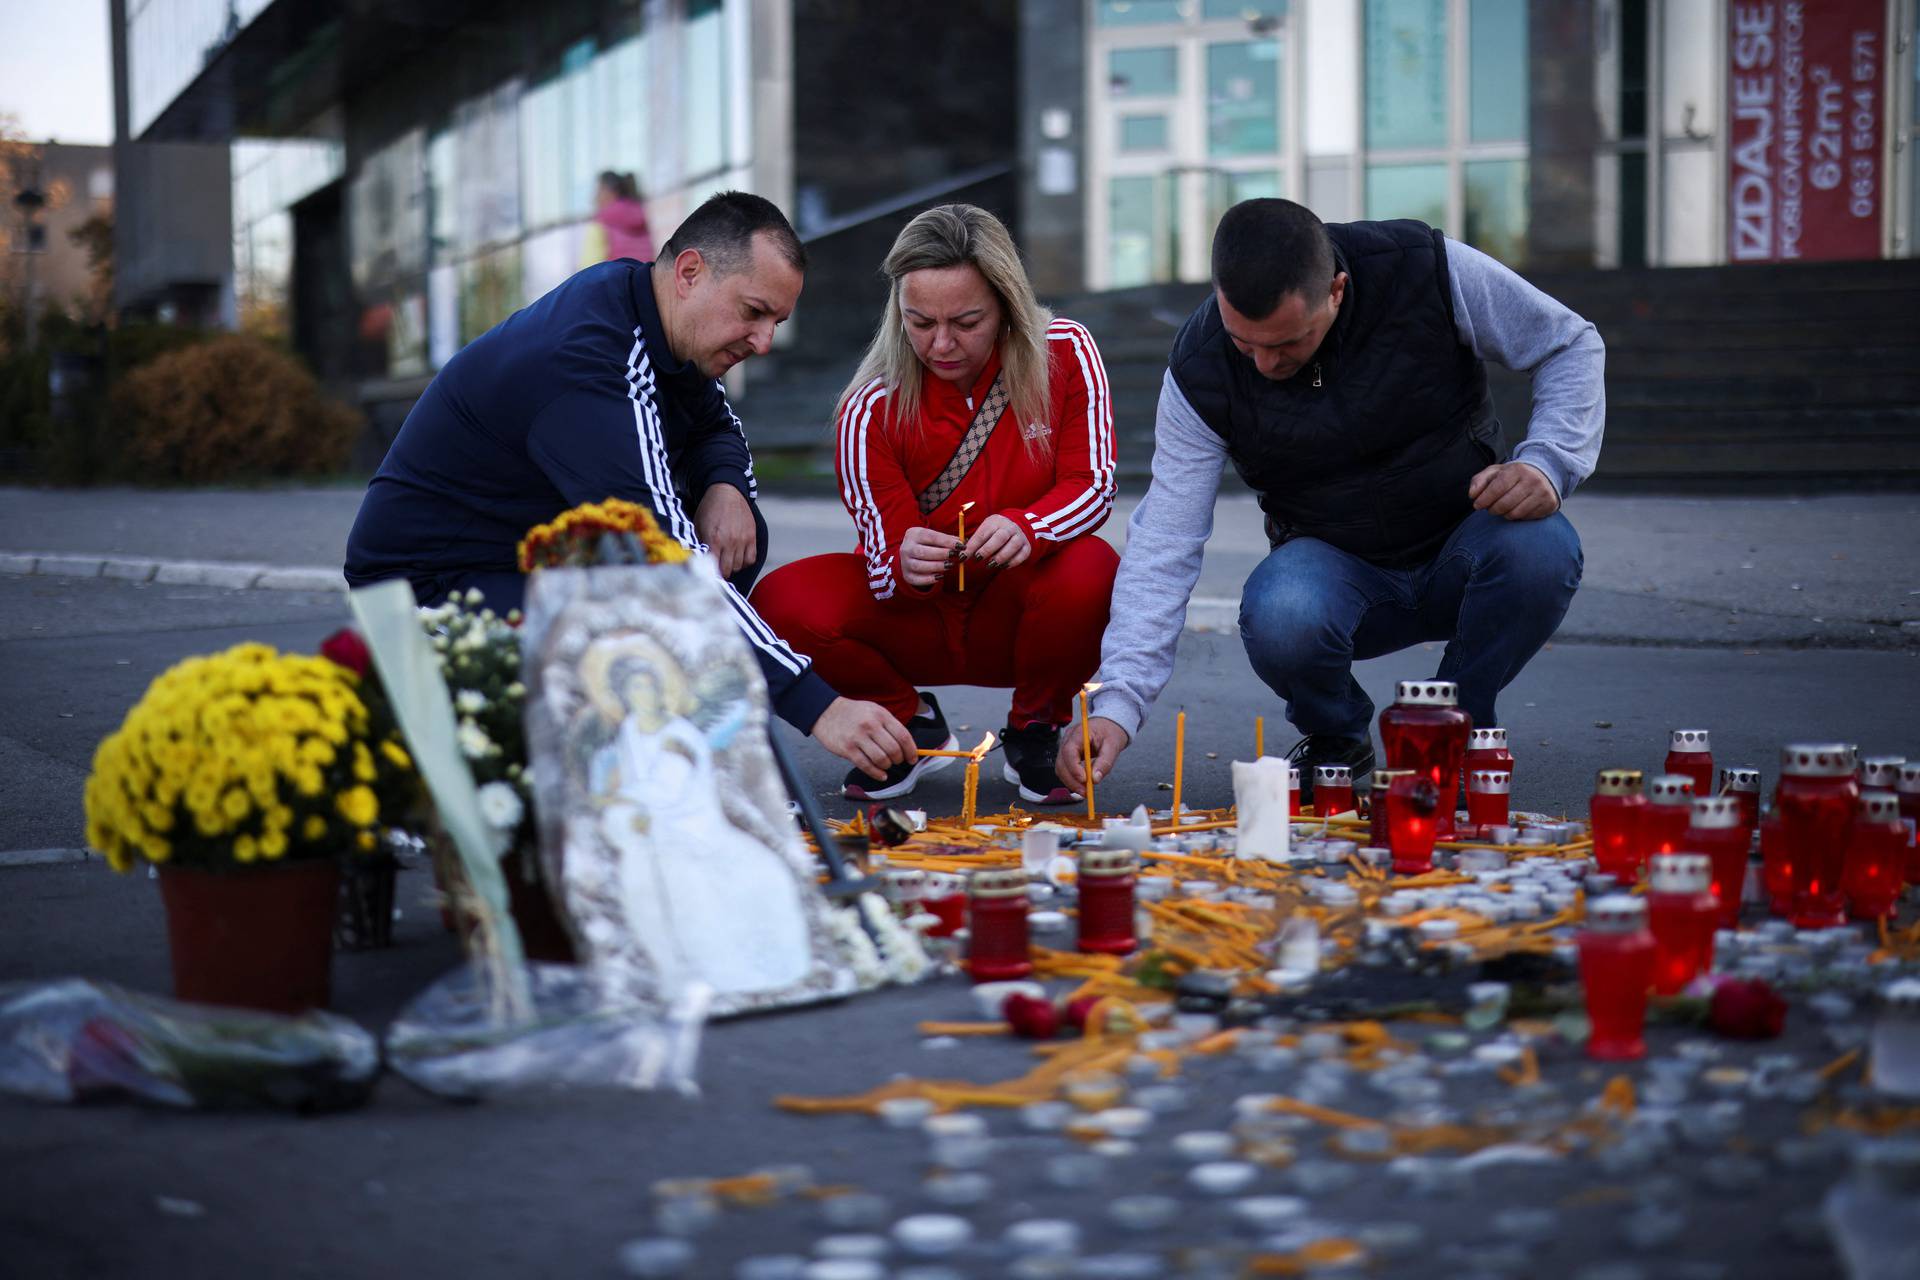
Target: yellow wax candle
[1259, 736]
[973, 782]
[963, 542]
[1086, 744]
[1179, 760]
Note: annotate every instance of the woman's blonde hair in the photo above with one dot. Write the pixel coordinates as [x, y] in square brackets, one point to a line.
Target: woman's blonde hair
[953, 235]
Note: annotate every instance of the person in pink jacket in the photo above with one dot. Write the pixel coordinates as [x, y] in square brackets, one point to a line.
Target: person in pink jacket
[622, 218]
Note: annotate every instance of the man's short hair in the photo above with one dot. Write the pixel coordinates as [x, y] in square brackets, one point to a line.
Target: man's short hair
[723, 228]
[1266, 249]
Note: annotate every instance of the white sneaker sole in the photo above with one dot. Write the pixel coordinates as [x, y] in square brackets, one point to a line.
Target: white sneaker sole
[1008, 772]
[925, 766]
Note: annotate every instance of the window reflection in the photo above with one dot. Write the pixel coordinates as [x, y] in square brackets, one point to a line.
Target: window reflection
[1408, 191]
[1497, 65]
[1406, 90]
[1243, 98]
[1143, 73]
[1496, 209]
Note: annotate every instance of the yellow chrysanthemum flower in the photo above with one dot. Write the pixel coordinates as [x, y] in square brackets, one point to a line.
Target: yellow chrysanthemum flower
[313, 828]
[396, 754]
[359, 806]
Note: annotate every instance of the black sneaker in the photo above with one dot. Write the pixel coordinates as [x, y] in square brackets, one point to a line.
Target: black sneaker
[930, 733]
[1326, 748]
[1031, 753]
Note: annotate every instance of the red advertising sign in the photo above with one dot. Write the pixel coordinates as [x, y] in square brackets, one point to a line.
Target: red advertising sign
[1806, 94]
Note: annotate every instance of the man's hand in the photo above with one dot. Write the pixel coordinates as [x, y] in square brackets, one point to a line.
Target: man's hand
[724, 521]
[1109, 740]
[926, 555]
[865, 735]
[1516, 490]
[999, 543]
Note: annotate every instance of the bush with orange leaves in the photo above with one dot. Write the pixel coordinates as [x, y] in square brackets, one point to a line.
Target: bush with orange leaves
[228, 408]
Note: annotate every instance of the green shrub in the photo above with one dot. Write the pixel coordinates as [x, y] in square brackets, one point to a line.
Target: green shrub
[232, 407]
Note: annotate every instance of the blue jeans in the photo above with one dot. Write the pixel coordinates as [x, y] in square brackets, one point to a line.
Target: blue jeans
[1495, 593]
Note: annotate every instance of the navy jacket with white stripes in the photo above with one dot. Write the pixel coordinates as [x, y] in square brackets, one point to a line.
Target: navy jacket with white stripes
[572, 399]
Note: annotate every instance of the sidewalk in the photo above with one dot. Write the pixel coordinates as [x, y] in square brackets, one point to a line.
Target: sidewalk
[1837, 571]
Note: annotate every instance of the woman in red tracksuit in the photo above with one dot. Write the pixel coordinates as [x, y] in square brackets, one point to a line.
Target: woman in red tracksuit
[971, 396]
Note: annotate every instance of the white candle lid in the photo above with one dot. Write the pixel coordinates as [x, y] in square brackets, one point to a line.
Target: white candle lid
[1670, 788]
[1680, 873]
[1689, 740]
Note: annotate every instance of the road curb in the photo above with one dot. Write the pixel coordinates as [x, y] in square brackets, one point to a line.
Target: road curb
[41, 857]
[230, 575]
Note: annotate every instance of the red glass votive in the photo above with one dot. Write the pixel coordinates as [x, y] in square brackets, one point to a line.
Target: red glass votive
[1487, 749]
[1426, 730]
[1776, 866]
[1690, 751]
[1293, 791]
[946, 898]
[1663, 827]
[1106, 883]
[1879, 773]
[1616, 971]
[1907, 787]
[1614, 814]
[1383, 779]
[1488, 794]
[1815, 799]
[1413, 805]
[997, 946]
[1683, 913]
[1716, 830]
[1744, 785]
[1332, 789]
[1876, 856]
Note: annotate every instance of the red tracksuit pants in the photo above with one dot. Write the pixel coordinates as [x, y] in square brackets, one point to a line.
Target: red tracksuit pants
[1034, 628]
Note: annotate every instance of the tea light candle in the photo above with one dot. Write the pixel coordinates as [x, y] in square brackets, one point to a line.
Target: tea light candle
[1222, 1177]
[932, 1234]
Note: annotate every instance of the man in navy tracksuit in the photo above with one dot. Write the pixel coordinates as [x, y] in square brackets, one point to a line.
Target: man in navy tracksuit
[609, 387]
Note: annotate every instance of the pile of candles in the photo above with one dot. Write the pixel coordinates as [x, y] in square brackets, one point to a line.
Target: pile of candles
[1838, 844]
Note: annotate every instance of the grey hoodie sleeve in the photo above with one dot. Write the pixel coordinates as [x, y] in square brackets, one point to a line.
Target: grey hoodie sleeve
[1166, 536]
[1504, 319]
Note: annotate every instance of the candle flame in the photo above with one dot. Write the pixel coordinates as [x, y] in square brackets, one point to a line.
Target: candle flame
[968, 506]
[1090, 686]
[986, 745]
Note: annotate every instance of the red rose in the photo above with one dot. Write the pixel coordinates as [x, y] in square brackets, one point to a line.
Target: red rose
[1030, 1017]
[347, 648]
[1747, 1010]
[1077, 1011]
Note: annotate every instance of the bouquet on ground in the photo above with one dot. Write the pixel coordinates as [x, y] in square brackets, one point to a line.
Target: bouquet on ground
[578, 538]
[248, 756]
[478, 652]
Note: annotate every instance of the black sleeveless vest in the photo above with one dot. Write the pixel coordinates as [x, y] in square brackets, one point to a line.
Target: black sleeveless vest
[1376, 458]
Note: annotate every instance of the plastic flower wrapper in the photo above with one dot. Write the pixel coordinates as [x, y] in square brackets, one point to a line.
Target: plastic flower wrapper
[447, 1042]
[71, 1040]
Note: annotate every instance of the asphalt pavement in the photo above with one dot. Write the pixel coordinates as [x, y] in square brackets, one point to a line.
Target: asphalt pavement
[1764, 620]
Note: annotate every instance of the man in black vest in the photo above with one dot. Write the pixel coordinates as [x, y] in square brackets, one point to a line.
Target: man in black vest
[1341, 368]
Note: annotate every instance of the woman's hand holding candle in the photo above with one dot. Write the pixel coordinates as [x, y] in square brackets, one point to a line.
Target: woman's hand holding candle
[926, 555]
[998, 543]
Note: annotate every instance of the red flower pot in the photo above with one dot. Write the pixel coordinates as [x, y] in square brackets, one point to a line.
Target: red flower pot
[255, 937]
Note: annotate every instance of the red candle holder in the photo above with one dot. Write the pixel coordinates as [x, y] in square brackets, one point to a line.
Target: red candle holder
[1106, 881]
[1717, 831]
[1614, 813]
[1413, 810]
[1815, 799]
[1663, 827]
[1293, 791]
[946, 899]
[1616, 971]
[1488, 794]
[1332, 789]
[1487, 749]
[997, 945]
[1744, 785]
[1907, 787]
[1876, 856]
[1690, 751]
[1879, 773]
[1426, 730]
[1683, 913]
[1382, 782]
[1776, 866]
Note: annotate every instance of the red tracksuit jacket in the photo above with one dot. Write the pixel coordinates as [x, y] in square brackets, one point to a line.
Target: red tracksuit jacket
[1054, 497]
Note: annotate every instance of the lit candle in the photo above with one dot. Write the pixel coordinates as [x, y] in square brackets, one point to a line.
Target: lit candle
[1259, 736]
[963, 543]
[1179, 760]
[973, 778]
[1086, 743]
